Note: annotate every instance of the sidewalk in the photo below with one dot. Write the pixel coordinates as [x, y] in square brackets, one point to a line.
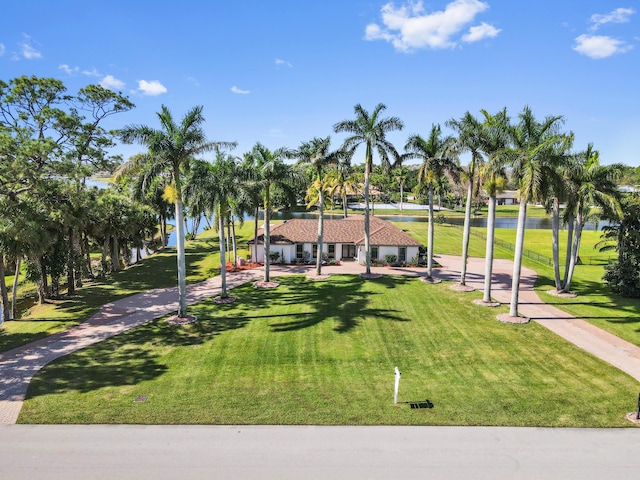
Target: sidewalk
[18, 366]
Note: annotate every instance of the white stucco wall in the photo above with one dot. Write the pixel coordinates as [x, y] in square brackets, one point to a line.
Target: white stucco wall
[412, 252]
[289, 252]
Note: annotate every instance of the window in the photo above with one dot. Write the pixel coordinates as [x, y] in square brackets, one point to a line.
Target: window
[374, 253]
[299, 250]
[402, 254]
[332, 250]
[315, 250]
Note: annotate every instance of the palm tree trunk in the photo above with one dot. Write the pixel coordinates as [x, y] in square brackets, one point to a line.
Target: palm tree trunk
[163, 230]
[267, 233]
[115, 255]
[344, 204]
[71, 280]
[223, 263]
[182, 269]
[465, 235]
[87, 252]
[229, 247]
[105, 252]
[517, 259]
[255, 237]
[234, 242]
[555, 241]
[488, 258]
[320, 230]
[367, 230]
[574, 252]
[14, 289]
[4, 294]
[401, 195]
[430, 234]
[570, 228]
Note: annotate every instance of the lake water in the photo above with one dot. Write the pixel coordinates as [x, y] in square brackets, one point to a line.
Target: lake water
[479, 222]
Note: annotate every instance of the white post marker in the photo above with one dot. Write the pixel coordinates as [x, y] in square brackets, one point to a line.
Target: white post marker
[397, 385]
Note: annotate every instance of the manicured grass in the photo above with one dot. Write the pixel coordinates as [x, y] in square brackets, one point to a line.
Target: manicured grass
[156, 271]
[595, 303]
[323, 353]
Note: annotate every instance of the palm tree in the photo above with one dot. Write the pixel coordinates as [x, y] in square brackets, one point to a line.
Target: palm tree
[371, 130]
[171, 148]
[494, 178]
[592, 185]
[401, 175]
[470, 139]
[438, 157]
[316, 153]
[342, 179]
[533, 157]
[269, 172]
[215, 187]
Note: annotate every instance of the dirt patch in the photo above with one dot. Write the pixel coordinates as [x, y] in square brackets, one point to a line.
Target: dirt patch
[370, 276]
[430, 280]
[506, 318]
[561, 294]
[176, 320]
[224, 300]
[482, 303]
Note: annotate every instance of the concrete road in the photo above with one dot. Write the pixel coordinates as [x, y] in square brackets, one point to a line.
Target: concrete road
[335, 453]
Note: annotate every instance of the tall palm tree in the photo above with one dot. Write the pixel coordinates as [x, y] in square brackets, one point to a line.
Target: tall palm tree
[470, 138]
[171, 148]
[269, 172]
[215, 187]
[494, 179]
[342, 179]
[438, 157]
[593, 185]
[401, 175]
[371, 130]
[533, 159]
[316, 153]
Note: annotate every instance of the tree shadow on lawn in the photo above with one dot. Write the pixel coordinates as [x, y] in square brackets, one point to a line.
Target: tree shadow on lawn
[341, 299]
[101, 367]
[124, 359]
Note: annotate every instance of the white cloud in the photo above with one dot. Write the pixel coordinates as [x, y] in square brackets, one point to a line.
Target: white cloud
[409, 27]
[284, 63]
[27, 50]
[2, 49]
[600, 46]
[619, 15]
[194, 81]
[91, 73]
[68, 70]
[152, 88]
[112, 83]
[235, 89]
[480, 32]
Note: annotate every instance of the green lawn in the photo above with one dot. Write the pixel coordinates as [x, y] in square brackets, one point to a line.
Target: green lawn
[594, 303]
[157, 271]
[323, 353]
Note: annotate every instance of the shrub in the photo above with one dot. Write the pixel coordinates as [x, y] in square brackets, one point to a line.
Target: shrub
[273, 256]
[390, 259]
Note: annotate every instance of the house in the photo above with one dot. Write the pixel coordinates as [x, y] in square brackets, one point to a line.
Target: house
[343, 239]
[508, 197]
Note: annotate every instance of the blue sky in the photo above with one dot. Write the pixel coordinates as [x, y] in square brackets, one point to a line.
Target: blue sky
[282, 72]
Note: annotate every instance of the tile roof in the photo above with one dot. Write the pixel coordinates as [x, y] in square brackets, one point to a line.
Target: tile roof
[345, 230]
